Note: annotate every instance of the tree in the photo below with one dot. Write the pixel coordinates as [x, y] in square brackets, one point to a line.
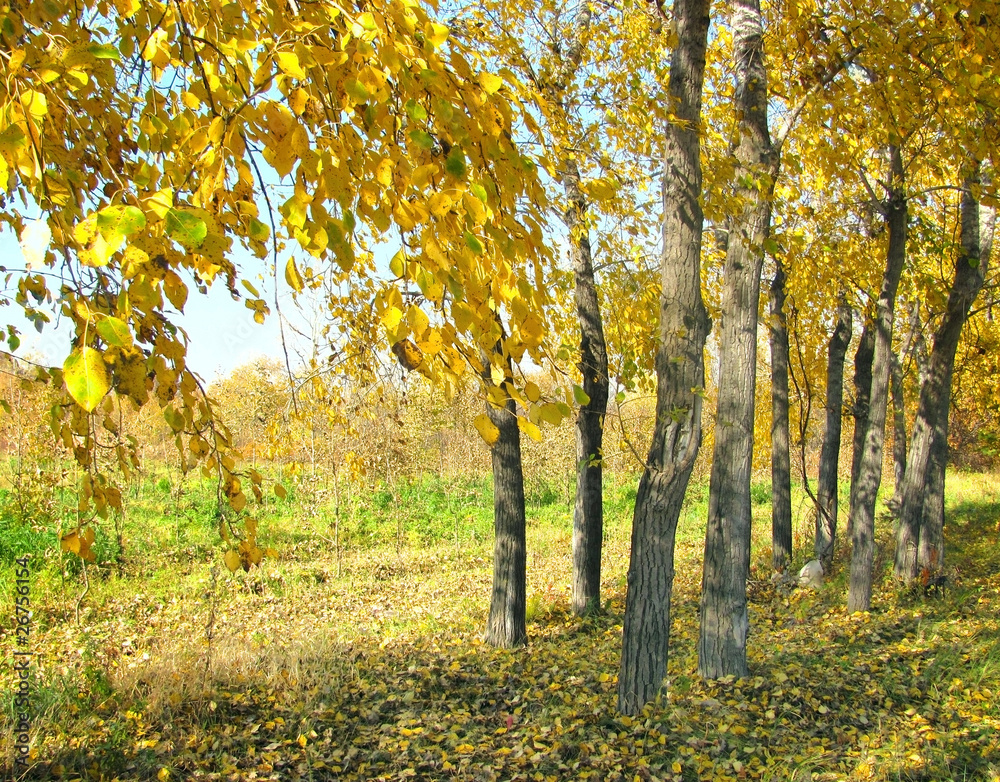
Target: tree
[781, 468]
[920, 533]
[863, 495]
[680, 373]
[505, 626]
[580, 69]
[724, 619]
[155, 146]
[829, 460]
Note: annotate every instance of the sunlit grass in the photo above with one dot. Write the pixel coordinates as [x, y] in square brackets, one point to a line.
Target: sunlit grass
[364, 660]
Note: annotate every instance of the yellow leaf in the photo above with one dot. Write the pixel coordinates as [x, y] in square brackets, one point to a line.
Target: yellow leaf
[70, 542]
[408, 354]
[532, 391]
[440, 204]
[551, 414]
[532, 331]
[490, 82]
[486, 429]
[86, 377]
[393, 315]
[529, 429]
[437, 34]
[288, 62]
[430, 343]
[676, 767]
[292, 276]
[297, 101]
[279, 491]
[34, 104]
[383, 172]
[232, 560]
[163, 774]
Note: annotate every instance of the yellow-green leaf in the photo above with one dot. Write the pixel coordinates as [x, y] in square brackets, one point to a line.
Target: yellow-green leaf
[86, 377]
[114, 331]
[185, 228]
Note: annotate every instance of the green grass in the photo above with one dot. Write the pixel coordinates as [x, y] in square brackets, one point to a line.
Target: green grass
[369, 653]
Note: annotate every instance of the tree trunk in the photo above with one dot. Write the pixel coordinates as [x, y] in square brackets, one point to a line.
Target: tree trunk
[898, 425]
[859, 595]
[505, 627]
[680, 375]
[829, 457]
[781, 463]
[722, 643]
[899, 410]
[863, 357]
[920, 533]
[588, 515]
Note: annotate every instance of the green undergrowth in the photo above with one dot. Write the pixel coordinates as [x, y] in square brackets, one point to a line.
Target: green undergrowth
[363, 660]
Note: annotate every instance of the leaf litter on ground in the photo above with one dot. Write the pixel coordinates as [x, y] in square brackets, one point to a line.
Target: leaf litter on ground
[378, 673]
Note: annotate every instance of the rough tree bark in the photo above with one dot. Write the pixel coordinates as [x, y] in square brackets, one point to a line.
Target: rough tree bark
[588, 514]
[680, 373]
[920, 533]
[781, 465]
[899, 435]
[899, 409]
[862, 400]
[724, 618]
[829, 457]
[505, 627]
[859, 595]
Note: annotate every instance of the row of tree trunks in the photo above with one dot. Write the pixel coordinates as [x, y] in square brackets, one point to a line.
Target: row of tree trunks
[869, 476]
[724, 619]
[920, 532]
[680, 375]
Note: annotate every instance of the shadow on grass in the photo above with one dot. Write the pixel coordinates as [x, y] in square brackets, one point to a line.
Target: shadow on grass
[907, 692]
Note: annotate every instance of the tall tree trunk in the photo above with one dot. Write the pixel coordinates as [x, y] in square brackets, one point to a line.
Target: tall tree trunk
[863, 357]
[920, 534]
[859, 595]
[898, 425]
[781, 462]
[829, 457]
[722, 643]
[899, 410]
[505, 627]
[588, 515]
[680, 375]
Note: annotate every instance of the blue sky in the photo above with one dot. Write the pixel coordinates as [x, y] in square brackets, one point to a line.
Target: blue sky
[222, 332]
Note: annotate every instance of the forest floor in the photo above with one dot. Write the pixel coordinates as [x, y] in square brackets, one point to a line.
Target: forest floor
[366, 662]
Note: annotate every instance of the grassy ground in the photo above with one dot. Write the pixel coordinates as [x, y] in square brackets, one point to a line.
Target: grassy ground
[356, 655]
